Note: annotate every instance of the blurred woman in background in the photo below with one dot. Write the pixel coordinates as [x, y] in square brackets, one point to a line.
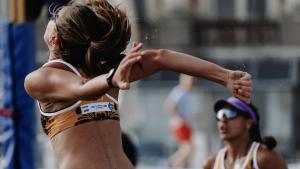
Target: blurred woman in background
[238, 125]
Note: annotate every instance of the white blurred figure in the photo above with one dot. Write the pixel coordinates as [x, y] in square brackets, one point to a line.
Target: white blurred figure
[182, 106]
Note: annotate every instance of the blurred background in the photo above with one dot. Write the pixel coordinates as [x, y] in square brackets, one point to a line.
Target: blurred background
[258, 36]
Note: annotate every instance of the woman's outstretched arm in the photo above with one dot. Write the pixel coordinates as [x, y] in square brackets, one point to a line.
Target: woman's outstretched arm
[237, 82]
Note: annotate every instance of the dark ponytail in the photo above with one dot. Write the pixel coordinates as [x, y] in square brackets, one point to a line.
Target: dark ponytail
[255, 133]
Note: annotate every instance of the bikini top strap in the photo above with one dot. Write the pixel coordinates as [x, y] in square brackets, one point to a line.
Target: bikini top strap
[65, 63]
[255, 156]
[218, 161]
[249, 156]
[111, 98]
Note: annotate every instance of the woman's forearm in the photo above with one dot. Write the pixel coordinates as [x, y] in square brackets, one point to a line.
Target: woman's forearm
[162, 59]
[191, 65]
[93, 88]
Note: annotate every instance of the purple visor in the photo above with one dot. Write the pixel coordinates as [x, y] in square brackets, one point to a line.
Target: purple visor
[236, 103]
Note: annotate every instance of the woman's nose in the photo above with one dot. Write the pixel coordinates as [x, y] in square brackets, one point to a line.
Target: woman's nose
[224, 119]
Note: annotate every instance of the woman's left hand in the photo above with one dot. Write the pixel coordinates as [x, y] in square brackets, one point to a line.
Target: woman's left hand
[240, 85]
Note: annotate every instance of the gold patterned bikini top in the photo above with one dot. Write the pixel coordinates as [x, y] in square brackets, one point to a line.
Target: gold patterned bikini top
[104, 108]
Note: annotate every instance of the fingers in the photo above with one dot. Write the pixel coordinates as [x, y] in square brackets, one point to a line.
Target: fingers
[136, 47]
[130, 56]
[135, 44]
[243, 93]
[240, 79]
[242, 83]
[238, 74]
[124, 86]
[243, 98]
[132, 60]
[242, 75]
[123, 72]
[245, 90]
[246, 76]
[242, 86]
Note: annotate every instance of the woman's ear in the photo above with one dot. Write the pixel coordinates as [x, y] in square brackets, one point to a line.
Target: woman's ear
[56, 40]
[249, 123]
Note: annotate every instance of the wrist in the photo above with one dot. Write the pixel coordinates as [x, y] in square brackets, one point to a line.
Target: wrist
[226, 76]
[109, 78]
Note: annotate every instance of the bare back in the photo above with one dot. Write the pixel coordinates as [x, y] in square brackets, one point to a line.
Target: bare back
[82, 140]
[93, 145]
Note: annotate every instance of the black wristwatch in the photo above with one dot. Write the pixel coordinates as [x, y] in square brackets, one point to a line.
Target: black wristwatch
[109, 78]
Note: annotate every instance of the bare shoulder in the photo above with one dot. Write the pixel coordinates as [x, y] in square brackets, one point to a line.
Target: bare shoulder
[264, 156]
[39, 82]
[36, 81]
[32, 78]
[209, 164]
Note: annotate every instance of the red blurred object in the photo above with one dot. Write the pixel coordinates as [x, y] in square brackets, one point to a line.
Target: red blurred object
[6, 112]
[183, 132]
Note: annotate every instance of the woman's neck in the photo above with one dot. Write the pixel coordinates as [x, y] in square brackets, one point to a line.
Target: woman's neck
[52, 56]
[237, 149]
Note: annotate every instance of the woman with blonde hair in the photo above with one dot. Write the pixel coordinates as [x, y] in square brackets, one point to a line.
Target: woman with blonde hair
[77, 89]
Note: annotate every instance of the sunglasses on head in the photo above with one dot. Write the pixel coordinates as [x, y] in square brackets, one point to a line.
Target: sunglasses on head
[227, 113]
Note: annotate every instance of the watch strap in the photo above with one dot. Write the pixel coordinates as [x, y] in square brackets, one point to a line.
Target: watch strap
[109, 78]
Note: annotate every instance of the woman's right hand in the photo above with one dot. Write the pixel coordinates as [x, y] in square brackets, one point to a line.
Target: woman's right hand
[121, 78]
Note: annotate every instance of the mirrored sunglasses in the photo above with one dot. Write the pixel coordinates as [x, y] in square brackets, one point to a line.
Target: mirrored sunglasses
[227, 113]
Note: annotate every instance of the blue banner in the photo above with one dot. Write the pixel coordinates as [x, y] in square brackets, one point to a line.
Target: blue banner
[7, 138]
[23, 61]
[18, 44]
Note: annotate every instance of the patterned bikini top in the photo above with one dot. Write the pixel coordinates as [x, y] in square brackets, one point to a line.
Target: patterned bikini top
[104, 108]
[249, 163]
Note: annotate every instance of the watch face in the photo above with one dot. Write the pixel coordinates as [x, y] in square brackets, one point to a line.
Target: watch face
[110, 72]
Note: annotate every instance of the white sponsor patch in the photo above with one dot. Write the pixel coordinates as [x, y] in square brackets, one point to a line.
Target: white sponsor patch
[97, 107]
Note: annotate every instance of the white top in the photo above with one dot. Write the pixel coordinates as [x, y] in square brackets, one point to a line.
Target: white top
[220, 159]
